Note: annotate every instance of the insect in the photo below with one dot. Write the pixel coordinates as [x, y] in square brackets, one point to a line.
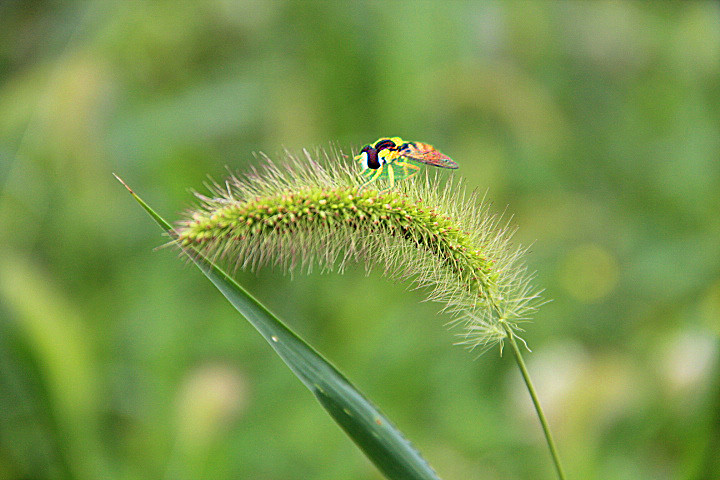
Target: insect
[395, 159]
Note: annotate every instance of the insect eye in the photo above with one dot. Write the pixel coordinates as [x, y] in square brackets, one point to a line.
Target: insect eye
[383, 144]
[372, 158]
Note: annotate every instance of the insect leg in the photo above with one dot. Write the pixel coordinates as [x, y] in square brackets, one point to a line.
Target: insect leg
[391, 175]
[407, 167]
[374, 177]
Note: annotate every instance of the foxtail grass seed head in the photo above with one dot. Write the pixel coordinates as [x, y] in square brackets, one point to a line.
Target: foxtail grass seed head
[311, 212]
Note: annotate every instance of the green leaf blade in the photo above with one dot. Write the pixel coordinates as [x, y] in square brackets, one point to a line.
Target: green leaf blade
[376, 436]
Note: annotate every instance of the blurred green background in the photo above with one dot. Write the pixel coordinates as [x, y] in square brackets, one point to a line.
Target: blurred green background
[596, 124]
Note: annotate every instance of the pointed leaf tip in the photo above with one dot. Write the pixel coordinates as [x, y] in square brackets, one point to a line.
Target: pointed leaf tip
[123, 183]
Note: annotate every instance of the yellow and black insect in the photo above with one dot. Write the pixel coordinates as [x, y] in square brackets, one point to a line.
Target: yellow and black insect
[395, 159]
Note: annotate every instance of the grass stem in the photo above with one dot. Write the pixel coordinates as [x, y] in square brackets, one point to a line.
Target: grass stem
[536, 401]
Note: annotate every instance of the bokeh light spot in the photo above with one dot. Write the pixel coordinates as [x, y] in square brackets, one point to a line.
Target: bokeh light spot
[589, 273]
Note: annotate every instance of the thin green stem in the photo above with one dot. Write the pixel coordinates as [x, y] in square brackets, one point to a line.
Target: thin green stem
[536, 401]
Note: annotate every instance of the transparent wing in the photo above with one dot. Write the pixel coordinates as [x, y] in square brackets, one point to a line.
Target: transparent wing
[427, 154]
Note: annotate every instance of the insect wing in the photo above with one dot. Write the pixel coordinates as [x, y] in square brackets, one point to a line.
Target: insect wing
[427, 154]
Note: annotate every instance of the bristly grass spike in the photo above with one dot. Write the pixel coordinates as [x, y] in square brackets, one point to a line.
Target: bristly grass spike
[308, 214]
[394, 159]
